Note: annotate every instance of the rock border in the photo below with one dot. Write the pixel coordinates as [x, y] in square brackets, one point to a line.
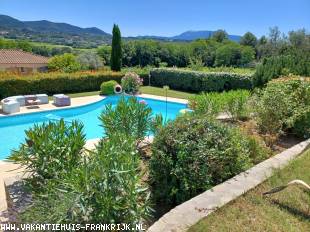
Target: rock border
[190, 212]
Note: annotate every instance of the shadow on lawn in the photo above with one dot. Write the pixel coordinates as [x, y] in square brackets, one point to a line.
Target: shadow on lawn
[291, 210]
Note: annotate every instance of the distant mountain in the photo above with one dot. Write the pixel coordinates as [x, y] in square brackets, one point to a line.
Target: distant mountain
[192, 35]
[70, 35]
[187, 36]
[57, 33]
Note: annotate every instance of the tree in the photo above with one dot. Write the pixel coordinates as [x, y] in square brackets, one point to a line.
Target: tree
[248, 39]
[116, 53]
[233, 54]
[299, 39]
[104, 52]
[64, 63]
[274, 35]
[89, 60]
[220, 36]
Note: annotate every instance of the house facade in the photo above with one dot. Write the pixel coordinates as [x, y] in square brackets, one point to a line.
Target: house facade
[21, 62]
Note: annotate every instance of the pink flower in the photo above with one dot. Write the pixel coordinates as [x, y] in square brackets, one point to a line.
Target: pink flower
[143, 102]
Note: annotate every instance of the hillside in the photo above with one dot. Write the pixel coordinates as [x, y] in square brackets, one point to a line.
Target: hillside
[50, 32]
[66, 34]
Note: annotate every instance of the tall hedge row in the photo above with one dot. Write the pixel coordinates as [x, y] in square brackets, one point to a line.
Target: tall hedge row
[194, 81]
[51, 83]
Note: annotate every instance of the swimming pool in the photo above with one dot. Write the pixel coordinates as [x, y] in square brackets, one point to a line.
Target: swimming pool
[12, 128]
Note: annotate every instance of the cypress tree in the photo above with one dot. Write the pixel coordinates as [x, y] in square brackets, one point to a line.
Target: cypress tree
[116, 54]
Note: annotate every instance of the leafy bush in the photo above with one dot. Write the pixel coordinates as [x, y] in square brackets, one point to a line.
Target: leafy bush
[277, 66]
[113, 192]
[192, 154]
[208, 104]
[105, 188]
[131, 82]
[64, 63]
[233, 103]
[129, 117]
[302, 124]
[107, 87]
[282, 106]
[199, 81]
[236, 103]
[52, 150]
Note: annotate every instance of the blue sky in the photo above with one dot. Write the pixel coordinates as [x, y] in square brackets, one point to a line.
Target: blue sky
[167, 17]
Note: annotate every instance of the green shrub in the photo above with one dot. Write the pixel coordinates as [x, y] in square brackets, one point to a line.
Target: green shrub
[233, 103]
[129, 117]
[192, 154]
[236, 104]
[283, 105]
[107, 87]
[277, 66]
[207, 104]
[302, 124]
[51, 151]
[131, 82]
[193, 81]
[113, 192]
[64, 63]
[105, 188]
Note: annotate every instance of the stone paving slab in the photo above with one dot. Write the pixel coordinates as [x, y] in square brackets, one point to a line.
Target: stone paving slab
[162, 98]
[190, 212]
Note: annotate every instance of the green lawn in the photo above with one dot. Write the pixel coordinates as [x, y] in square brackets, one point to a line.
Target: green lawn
[144, 89]
[285, 211]
[161, 92]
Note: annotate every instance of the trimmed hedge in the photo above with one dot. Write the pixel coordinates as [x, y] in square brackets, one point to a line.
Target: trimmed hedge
[194, 81]
[107, 87]
[51, 83]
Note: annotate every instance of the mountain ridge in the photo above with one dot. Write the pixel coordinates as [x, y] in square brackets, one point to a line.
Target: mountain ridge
[68, 34]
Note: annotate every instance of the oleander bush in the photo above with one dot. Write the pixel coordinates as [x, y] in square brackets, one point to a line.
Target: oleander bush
[131, 83]
[105, 188]
[51, 83]
[283, 106]
[194, 81]
[101, 186]
[192, 154]
[51, 150]
[107, 87]
[114, 192]
[130, 117]
[234, 103]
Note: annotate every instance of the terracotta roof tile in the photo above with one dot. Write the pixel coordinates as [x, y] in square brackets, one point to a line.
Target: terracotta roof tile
[11, 56]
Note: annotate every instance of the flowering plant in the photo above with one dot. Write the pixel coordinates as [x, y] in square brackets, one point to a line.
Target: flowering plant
[131, 82]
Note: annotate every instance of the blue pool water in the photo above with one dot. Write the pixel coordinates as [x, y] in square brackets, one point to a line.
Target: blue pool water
[12, 128]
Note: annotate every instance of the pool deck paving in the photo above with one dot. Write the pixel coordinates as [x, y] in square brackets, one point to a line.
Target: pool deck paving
[78, 101]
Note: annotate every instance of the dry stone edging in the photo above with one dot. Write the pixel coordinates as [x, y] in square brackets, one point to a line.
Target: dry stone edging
[190, 212]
